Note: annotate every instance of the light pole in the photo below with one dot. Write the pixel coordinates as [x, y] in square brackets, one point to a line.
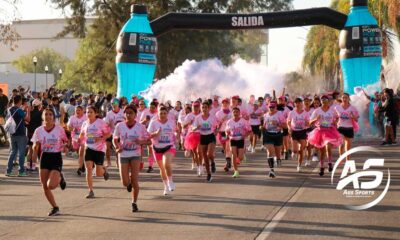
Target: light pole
[60, 72]
[34, 59]
[46, 69]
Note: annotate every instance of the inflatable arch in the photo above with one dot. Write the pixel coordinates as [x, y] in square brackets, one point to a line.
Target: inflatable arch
[360, 40]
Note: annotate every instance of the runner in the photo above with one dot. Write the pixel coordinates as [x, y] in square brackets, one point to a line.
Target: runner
[188, 123]
[207, 125]
[298, 123]
[49, 141]
[94, 133]
[113, 117]
[325, 133]
[162, 133]
[128, 138]
[74, 125]
[347, 125]
[282, 107]
[309, 110]
[255, 123]
[237, 129]
[222, 117]
[145, 118]
[274, 122]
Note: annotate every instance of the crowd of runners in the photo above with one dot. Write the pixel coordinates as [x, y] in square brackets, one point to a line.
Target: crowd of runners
[97, 128]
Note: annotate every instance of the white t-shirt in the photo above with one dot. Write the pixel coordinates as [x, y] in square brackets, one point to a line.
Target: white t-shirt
[237, 129]
[50, 141]
[206, 126]
[128, 137]
[327, 118]
[112, 118]
[345, 119]
[94, 130]
[167, 135]
[298, 121]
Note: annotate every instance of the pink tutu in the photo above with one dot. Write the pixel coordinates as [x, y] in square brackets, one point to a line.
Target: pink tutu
[192, 140]
[221, 139]
[320, 137]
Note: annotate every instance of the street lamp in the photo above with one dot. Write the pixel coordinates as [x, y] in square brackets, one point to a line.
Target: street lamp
[60, 72]
[46, 69]
[34, 59]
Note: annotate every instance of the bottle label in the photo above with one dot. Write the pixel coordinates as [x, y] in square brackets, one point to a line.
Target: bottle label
[360, 41]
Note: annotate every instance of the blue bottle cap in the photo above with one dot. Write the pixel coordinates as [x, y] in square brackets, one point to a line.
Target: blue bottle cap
[359, 3]
[138, 9]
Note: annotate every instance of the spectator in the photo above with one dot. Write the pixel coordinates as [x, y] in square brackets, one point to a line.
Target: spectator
[391, 117]
[3, 106]
[19, 139]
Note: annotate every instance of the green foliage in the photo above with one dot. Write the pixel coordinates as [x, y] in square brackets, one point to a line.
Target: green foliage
[94, 67]
[45, 56]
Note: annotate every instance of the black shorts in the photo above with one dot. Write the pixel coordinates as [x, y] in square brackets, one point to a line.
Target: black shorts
[285, 132]
[96, 156]
[275, 139]
[347, 132]
[308, 130]
[237, 143]
[109, 139]
[299, 135]
[256, 130]
[51, 161]
[207, 139]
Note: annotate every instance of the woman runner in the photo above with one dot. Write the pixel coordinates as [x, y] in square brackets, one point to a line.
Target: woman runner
[128, 138]
[94, 133]
[237, 129]
[49, 141]
[74, 125]
[162, 133]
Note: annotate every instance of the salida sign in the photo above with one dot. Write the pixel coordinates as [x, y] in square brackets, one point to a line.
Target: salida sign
[361, 189]
[248, 21]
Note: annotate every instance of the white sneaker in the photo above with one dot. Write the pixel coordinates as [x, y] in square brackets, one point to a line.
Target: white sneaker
[249, 148]
[315, 159]
[199, 171]
[193, 166]
[171, 186]
[298, 168]
[253, 150]
[166, 191]
[307, 163]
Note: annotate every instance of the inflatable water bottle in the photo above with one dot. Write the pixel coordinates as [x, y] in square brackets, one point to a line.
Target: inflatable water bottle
[361, 48]
[136, 54]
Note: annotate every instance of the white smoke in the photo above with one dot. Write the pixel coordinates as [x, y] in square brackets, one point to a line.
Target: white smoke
[210, 77]
[392, 75]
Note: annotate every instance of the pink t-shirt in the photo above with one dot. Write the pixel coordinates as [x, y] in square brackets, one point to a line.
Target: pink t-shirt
[167, 135]
[147, 114]
[327, 118]
[286, 112]
[237, 129]
[113, 118]
[76, 124]
[222, 118]
[255, 117]
[206, 126]
[298, 121]
[94, 130]
[345, 119]
[52, 141]
[139, 114]
[189, 119]
[272, 123]
[128, 137]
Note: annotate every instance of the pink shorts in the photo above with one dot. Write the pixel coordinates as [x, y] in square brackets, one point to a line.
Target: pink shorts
[158, 156]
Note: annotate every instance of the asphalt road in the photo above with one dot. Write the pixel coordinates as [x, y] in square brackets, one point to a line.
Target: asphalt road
[292, 206]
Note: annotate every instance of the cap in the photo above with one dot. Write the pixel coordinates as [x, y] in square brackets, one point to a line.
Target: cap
[225, 100]
[282, 98]
[324, 96]
[138, 9]
[307, 97]
[298, 99]
[358, 3]
[115, 101]
[36, 103]
[235, 97]
[196, 103]
[272, 104]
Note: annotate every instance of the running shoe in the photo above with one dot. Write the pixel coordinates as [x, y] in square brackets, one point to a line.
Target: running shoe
[226, 169]
[22, 174]
[199, 171]
[236, 174]
[171, 186]
[79, 172]
[10, 174]
[253, 150]
[322, 172]
[63, 183]
[307, 163]
[279, 162]
[298, 168]
[90, 195]
[286, 155]
[384, 143]
[272, 174]
[209, 178]
[166, 191]
[134, 207]
[330, 168]
[249, 148]
[315, 158]
[54, 211]
[237, 161]
[150, 170]
[213, 168]
[129, 187]
[193, 165]
[229, 163]
[106, 175]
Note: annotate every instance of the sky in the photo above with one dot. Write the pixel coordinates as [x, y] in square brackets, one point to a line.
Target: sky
[285, 51]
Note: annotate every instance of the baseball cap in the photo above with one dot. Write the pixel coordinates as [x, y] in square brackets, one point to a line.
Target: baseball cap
[225, 100]
[115, 101]
[196, 104]
[36, 103]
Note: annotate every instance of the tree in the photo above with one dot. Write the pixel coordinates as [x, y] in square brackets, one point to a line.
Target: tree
[8, 12]
[95, 66]
[45, 56]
